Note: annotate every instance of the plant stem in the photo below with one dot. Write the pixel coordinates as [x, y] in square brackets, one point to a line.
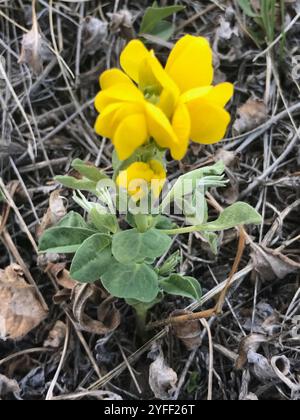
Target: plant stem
[143, 222]
[141, 318]
[180, 231]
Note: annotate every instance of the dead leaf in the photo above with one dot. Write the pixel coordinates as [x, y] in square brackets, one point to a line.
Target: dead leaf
[20, 309]
[94, 32]
[8, 386]
[271, 264]
[231, 159]
[251, 115]
[250, 343]
[56, 336]
[162, 379]
[108, 316]
[32, 46]
[122, 22]
[61, 275]
[189, 333]
[54, 214]
[261, 366]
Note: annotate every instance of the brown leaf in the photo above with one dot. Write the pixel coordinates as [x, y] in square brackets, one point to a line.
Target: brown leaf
[8, 386]
[56, 336]
[31, 52]
[231, 159]
[20, 309]
[248, 344]
[122, 22]
[251, 115]
[162, 379]
[189, 333]
[61, 275]
[271, 264]
[54, 214]
[108, 316]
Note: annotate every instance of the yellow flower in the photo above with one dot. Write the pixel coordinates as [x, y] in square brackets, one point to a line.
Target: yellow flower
[139, 176]
[172, 104]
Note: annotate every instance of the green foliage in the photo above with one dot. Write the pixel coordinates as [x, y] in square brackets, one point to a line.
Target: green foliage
[133, 246]
[63, 240]
[131, 281]
[154, 22]
[83, 184]
[235, 215]
[104, 221]
[74, 220]
[88, 171]
[92, 259]
[265, 18]
[212, 240]
[170, 264]
[182, 286]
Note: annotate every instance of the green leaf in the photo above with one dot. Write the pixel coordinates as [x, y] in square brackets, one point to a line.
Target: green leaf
[235, 215]
[104, 221]
[164, 223]
[131, 281]
[92, 259]
[88, 170]
[73, 219]
[142, 306]
[154, 15]
[63, 240]
[133, 246]
[245, 5]
[200, 178]
[76, 184]
[163, 30]
[212, 240]
[170, 264]
[182, 286]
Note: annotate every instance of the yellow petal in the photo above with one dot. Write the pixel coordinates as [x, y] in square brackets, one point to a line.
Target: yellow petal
[125, 110]
[221, 94]
[113, 77]
[158, 169]
[105, 122]
[209, 122]
[138, 177]
[190, 63]
[197, 93]
[118, 93]
[130, 135]
[159, 177]
[181, 124]
[169, 90]
[132, 57]
[160, 128]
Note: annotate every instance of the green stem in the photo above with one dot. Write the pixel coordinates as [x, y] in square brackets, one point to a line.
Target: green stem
[141, 320]
[143, 222]
[180, 231]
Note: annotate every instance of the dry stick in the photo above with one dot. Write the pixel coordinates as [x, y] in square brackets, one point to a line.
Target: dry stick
[211, 359]
[60, 366]
[12, 204]
[130, 369]
[23, 352]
